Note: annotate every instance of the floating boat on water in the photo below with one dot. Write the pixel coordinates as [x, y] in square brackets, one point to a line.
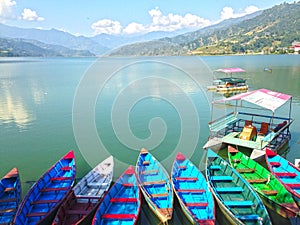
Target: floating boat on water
[155, 185]
[122, 203]
[44, 197]
[271, 191]
[192, 191]
[236, 199]
[10, 196]
[228, 83]
[86, 195]
[286, 172]
[252, 123]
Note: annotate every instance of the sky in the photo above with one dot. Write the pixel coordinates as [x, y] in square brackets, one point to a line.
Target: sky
[125, 17]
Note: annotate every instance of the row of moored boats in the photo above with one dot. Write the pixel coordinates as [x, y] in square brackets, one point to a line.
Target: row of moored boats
[242, 188]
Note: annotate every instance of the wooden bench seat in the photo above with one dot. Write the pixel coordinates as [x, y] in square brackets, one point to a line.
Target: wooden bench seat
[149, 172]
[221, 178]
[159, 182]
[45, 201]
[36, 214]
[197, 204]
[215, 167]
[285, 174]
[191, 190]
[257, 180]
[146, 162]
[238, 203]
[9, 189]
[60, 178]
[182, 167]
[77, 212]
[7, 210]
[187, 178]
[160, 195]
[123, 200]
[248, 217]
[119, 216]
[275, 164]
[229, 189]
[55, 189]
[66, 168]
[294, 185]
[8, 200]
[270, 192]
[246, 170]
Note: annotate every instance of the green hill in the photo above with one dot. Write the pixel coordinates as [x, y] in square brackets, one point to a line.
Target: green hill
[270, 31]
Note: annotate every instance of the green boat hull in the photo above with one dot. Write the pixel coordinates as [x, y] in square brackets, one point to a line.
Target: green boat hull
[271, 191]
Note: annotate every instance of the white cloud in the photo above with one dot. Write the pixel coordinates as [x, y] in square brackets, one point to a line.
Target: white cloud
[228, 12]
[31, 15]
[107, 26]
[160, 22]
[6, 8]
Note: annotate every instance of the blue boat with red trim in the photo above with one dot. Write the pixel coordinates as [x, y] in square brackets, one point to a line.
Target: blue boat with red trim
[10, 196]
[122, 203]
[44, 197]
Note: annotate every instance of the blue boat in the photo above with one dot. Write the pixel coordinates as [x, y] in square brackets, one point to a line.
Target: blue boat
[286, 172]
[122, 203]
[44, 197]
[192, 191]
[10, 196]
[155, 185]
[236, 199]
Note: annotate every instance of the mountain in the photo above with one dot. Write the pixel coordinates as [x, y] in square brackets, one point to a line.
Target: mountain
[272, 31]
[53, 37]
[23, 47]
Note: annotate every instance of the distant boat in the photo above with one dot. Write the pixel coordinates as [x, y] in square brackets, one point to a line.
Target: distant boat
[44, 197]
[122, 203]
[236, 199]
[271, 191]
[10, 196]
[267, 69]
[286, 172]
[86, 195]
[192, 191]
[155, 185]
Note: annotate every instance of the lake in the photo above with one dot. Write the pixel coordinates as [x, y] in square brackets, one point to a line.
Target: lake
[103, 106]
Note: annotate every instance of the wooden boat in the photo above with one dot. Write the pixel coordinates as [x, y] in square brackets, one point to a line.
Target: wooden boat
[286, 172]
[271, 191]
[255, 130]
[86, 195]
[122, 203]
[10, 196]
[155, 185]
[236, 199]
[192, 191]
[44, 197]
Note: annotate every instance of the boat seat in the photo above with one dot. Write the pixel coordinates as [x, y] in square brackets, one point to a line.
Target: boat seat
[36, 214]
[128, 185]
[146, 162]
[7, 210]
[77, 212]
[158, 182]
[295, 185]
[246, 170]
[215, 167]
[229, 189]
[66, 168]
[97, 185]
[8, 200]
[118, 216]
[186, 178]
[275, 164]
[191, 190]
[55, 189]
[248, 217]
[182, 167]
[257, 180]
[123, 200]
[285, 174]
[45, 201]
[150, 172]
[238, 203]
[9, 189]
[221, 178]
[270, 192]
[61, 178]
[160, 195]
[197, 204]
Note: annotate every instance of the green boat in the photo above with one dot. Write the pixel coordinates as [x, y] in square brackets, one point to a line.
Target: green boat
[271, 191]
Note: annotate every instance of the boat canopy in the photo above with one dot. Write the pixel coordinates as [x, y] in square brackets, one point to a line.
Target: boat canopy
[231, 70]
[264, 98]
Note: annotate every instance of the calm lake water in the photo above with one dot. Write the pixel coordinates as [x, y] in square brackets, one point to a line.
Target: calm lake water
[117, 106]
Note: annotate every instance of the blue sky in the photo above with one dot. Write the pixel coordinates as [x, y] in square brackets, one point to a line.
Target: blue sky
[124, 17]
